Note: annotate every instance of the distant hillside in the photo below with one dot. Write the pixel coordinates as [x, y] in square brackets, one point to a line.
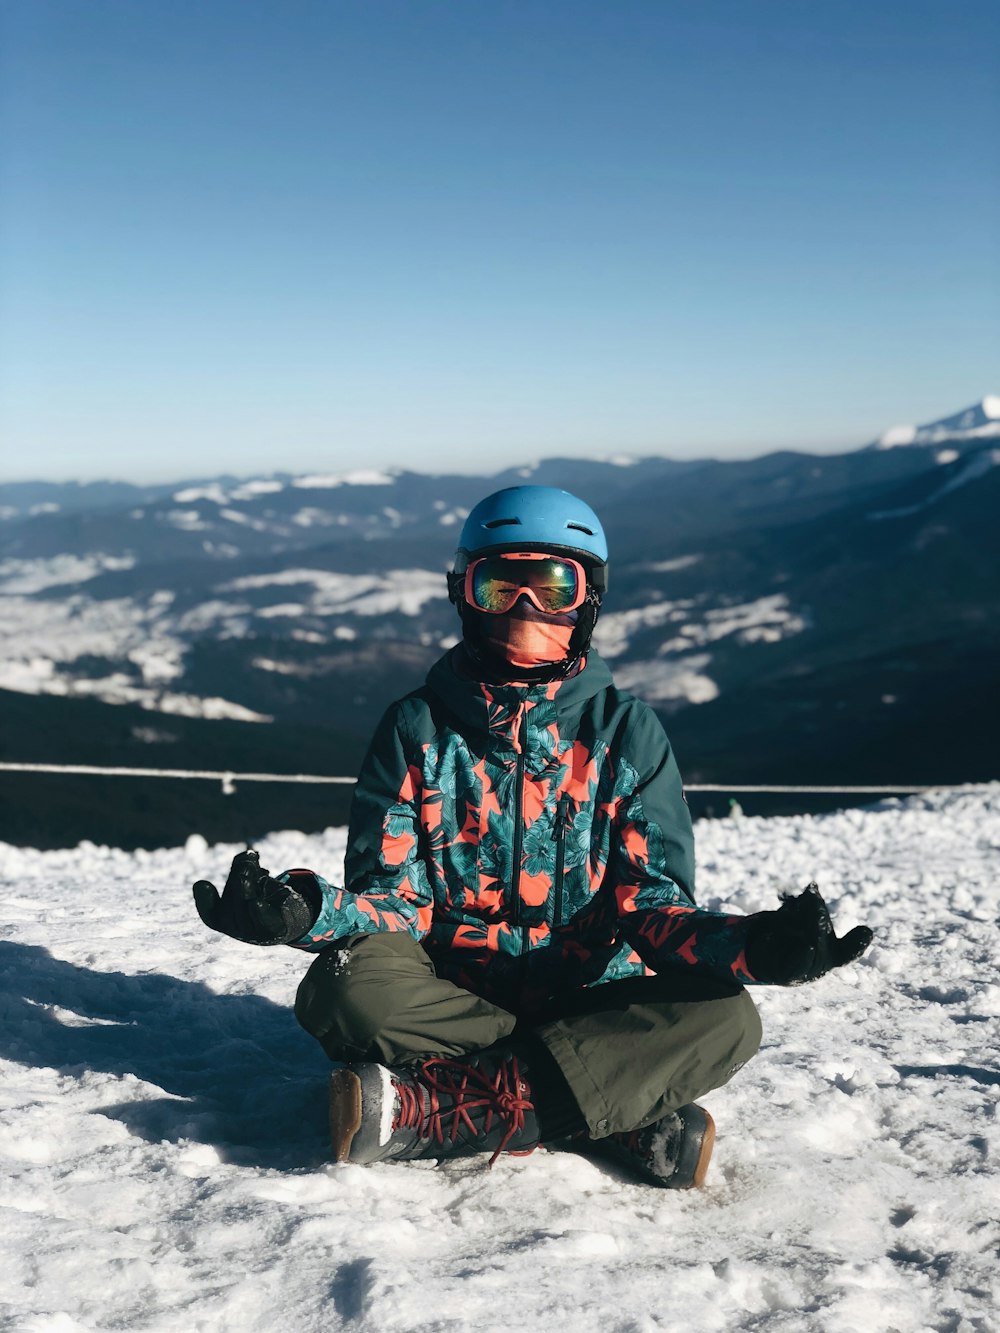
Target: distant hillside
[56, 811]
[794, 618]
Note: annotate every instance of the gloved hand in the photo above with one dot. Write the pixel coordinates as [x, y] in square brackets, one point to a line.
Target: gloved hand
[254, 907]
[797, 943]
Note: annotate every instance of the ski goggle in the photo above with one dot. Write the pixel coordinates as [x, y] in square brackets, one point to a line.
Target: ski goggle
[551, 583]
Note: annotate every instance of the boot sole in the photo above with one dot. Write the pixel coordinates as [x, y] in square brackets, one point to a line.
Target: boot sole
[699, 1168]
[345, 1112]
[693, 1157]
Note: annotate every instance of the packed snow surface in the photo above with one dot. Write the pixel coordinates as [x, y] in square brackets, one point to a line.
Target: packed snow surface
[163, 1146]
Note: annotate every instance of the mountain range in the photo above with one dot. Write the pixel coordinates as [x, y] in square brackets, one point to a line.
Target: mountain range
[795, 618]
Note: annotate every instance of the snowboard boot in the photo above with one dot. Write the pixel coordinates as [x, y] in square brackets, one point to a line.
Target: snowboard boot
[673, 1152]
[440, 1108]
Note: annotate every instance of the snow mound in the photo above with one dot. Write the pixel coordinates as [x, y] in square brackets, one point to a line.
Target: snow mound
[163, 1153]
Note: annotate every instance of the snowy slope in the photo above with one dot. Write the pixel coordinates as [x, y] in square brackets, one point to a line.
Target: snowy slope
[163, 1146]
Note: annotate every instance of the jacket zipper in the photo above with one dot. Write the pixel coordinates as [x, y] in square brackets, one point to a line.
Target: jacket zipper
[515, 865]
[560, 826]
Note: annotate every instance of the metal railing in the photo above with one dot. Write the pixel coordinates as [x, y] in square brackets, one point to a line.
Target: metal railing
[229, 780]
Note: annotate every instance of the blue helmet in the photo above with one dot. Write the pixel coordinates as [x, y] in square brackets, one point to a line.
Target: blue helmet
[537, 518]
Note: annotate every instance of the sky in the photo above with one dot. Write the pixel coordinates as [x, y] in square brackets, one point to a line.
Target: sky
[248, 236]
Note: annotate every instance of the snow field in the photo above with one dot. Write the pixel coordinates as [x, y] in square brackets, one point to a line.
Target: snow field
[163, 1144]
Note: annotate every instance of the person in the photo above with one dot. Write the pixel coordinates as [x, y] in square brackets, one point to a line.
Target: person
[517, 957]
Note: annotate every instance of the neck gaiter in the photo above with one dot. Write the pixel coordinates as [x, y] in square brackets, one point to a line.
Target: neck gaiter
[525, 636]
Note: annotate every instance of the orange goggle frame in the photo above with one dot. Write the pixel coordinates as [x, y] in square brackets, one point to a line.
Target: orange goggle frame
[553, 584]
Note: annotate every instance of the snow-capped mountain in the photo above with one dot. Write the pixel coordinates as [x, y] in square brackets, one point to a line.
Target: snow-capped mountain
[981, 421]
[796, 618]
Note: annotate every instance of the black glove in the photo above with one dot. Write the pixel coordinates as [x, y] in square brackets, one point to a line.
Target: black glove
[797, 942]
[254, 907]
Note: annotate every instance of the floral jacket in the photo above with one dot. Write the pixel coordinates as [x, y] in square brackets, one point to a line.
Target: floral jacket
[534, 839]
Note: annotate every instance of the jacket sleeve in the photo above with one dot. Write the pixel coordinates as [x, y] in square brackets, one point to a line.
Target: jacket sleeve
[387, 884]
[654, 866]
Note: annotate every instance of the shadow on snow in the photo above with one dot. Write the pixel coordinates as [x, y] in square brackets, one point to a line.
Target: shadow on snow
[237, 1071]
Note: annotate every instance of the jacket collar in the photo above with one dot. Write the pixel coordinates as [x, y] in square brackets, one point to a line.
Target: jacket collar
[498, 710]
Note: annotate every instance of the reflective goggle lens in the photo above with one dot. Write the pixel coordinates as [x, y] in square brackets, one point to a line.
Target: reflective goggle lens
[495, 582]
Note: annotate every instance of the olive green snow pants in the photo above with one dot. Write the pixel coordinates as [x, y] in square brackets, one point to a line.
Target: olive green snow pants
[630, 1051]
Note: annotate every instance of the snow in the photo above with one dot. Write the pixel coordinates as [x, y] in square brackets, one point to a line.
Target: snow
[308, 518]
[25, 577]
[213, 492]
[38, 675]
[357, 594]
[39, 637]
[41, 643]
[163, 1149]
[187, 520]
[682, 680]
[897, 436]
[764, 620]
[249, 490]
[228, 619]
[981, 421]
[283, 610]
[159, 660]
[211, 707]
[615, 629]
[50, 645]
[331, 480]
[235, 516]
[281, 668]
[672, 566]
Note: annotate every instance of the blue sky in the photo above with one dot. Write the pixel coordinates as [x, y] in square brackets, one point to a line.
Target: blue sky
[456, 234]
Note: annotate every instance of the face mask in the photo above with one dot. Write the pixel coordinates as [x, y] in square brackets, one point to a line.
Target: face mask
[525, 637]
